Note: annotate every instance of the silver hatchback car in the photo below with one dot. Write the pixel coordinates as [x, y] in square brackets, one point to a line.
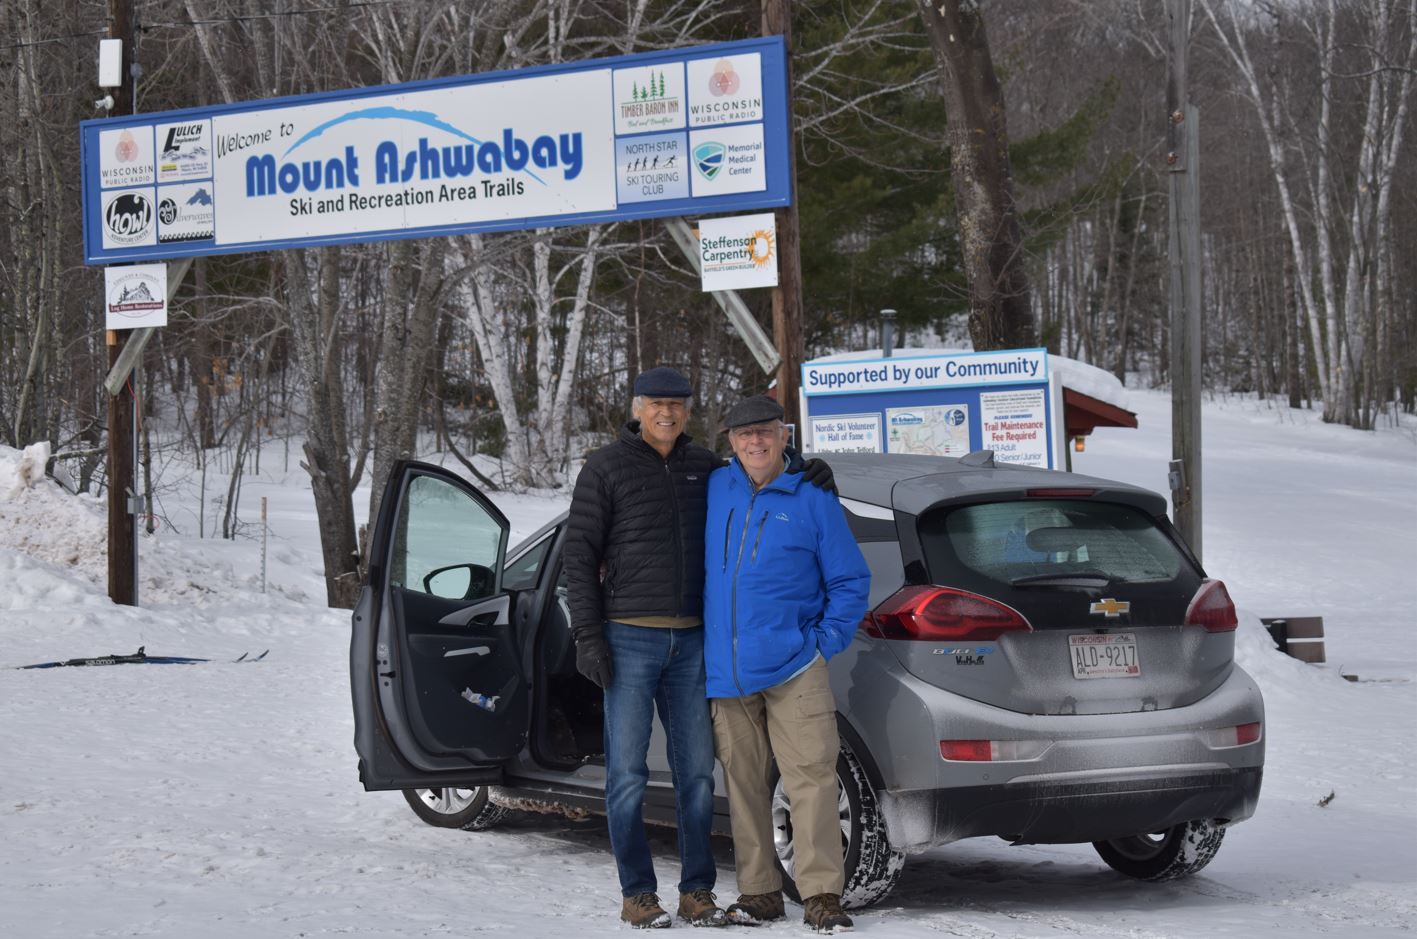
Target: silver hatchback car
[1044, 660]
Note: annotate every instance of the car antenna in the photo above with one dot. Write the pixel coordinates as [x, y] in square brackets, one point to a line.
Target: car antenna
[978, 458]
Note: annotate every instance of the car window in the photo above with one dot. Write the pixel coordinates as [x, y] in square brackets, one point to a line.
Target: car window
[445, 543]
[523, 572]
[1038, 555]
[1008, 540]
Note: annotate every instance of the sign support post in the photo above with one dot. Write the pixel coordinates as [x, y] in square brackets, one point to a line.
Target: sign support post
[787, 295]
[122, 525]
[1183, 161]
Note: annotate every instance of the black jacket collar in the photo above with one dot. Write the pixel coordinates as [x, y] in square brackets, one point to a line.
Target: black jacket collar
[630, 436]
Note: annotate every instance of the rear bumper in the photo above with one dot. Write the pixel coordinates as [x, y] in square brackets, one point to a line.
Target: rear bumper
[1065, 812]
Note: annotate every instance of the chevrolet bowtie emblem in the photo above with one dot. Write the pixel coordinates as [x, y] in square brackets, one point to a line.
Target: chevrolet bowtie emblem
[1110, 608]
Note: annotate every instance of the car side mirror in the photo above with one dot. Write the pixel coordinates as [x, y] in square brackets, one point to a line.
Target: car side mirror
[459, 582]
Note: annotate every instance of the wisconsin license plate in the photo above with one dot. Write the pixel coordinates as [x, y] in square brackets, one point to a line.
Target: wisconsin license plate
[1108, 656]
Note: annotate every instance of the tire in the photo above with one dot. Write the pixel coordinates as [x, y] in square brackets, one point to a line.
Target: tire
[872, 865]
[468, 809]
[1165, 855]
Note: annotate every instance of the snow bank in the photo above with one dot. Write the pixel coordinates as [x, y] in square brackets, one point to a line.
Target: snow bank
[38, 518]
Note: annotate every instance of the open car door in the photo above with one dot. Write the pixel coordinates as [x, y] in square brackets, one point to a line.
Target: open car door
[440, 690]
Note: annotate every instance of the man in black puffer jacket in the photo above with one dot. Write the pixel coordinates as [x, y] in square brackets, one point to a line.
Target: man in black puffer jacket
[634, 560]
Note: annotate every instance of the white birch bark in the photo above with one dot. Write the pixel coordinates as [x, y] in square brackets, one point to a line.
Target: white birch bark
[1239, 54]
[1384, 177]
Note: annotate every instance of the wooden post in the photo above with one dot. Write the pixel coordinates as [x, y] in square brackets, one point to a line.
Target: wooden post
[1183, 163]
[787, 295]
[122, 534]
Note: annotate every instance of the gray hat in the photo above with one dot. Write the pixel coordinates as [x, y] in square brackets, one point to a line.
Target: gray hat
[752, 410]
[662, 382]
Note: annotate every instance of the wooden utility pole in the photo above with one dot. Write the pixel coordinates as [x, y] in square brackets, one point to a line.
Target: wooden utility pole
[787, 295]
[122, 528]
[1183, 163]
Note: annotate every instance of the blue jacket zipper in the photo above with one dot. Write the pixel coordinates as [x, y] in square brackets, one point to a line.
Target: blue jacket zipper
[737, 565]
[758, 540]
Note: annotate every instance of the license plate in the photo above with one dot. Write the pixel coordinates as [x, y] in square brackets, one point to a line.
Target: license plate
[1113, 655]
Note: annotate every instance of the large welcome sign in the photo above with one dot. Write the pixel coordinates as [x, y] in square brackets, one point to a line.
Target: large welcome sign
[684, 132]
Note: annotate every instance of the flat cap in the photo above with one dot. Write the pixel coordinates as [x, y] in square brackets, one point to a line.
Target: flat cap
[663, 382]
[752, 410]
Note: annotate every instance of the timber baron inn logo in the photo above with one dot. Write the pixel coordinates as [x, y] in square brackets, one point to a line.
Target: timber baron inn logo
[649, 103]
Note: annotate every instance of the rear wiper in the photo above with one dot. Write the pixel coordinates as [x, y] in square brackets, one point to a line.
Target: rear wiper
[1074, 579]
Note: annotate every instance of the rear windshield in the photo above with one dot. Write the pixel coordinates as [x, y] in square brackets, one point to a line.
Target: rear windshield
[1053, 560]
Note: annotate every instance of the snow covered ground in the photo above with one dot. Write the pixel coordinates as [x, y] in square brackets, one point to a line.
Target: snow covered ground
[221, 800]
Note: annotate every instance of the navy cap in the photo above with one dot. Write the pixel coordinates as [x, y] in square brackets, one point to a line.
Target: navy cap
[663, 382]
[752, 410]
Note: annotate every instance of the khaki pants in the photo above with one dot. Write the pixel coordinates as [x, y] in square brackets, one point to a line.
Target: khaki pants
[796, 723]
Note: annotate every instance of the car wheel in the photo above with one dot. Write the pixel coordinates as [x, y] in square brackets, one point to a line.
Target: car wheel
[468, 809]
[1164, 855]
[872, 865]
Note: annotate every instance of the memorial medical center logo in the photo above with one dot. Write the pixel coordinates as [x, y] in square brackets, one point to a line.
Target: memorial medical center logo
[539, 159]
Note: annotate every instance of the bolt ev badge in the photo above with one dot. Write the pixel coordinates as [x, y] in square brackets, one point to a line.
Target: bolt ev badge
[1110, 608]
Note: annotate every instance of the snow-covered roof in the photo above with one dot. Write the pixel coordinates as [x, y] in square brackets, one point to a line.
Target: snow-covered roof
[1078, 376]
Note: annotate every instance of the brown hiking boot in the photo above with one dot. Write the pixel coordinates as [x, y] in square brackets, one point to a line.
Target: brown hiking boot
[699, 909]
[753, 909]
[643, 911]
[823, 913]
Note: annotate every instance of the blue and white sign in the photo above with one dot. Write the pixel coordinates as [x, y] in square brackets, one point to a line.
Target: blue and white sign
[945, 404]
[935, 371]
[682, 132]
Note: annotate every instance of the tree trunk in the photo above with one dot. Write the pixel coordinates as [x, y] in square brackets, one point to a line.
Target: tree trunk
[313, 318]
[990, 238]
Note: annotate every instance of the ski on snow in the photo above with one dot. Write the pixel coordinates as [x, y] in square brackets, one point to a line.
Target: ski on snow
[142, 658]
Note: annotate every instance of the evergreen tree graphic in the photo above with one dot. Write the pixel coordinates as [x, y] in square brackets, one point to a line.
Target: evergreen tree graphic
[661, 84]
[635, 90]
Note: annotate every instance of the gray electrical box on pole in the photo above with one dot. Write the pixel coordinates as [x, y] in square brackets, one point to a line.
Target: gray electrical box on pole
[1183, 164]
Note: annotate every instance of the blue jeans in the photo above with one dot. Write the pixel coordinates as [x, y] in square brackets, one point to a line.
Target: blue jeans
[663, 667]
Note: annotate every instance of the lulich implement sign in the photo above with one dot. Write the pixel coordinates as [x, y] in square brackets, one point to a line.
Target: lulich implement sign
[682, 132]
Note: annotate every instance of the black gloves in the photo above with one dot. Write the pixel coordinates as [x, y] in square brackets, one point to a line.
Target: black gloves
[818, 473]
[593, 657]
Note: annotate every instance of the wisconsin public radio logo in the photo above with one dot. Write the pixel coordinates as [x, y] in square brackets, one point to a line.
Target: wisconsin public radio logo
[129, 219]
[724, 80]
[127, 149]
[126, 160]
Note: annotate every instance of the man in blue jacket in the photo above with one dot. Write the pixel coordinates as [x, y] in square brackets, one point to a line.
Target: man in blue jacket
[785, 588]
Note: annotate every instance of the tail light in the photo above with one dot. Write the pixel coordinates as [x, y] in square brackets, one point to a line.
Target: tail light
[992, 751]
[1212, 608]
[1237, 736]
[942, 614]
